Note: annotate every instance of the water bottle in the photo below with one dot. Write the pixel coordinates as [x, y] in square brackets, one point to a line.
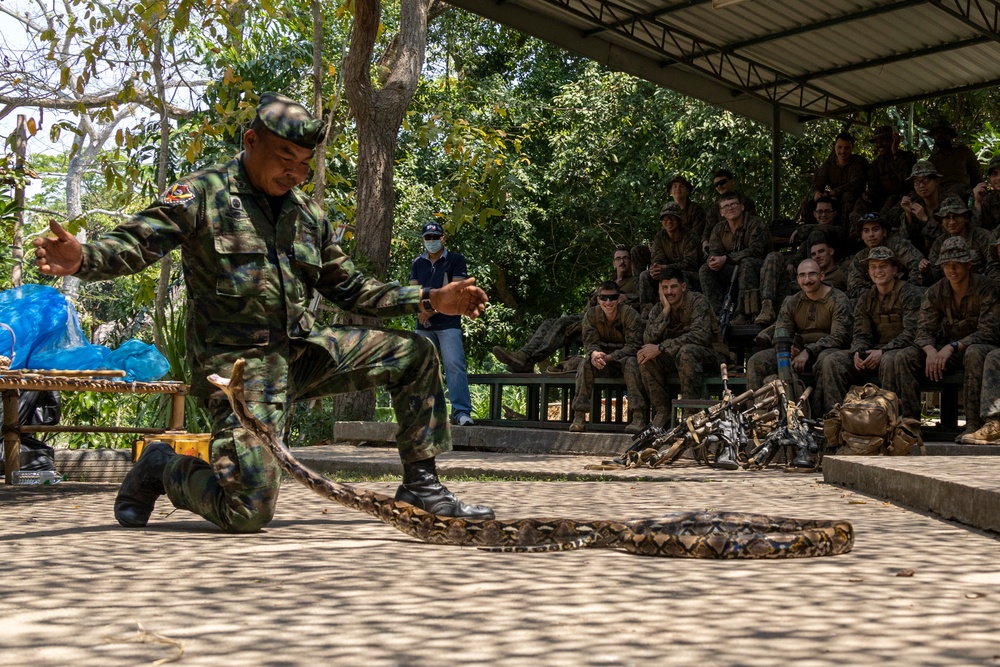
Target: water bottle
[33, 477]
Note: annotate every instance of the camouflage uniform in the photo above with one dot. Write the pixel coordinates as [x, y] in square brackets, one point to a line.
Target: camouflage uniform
[887, 323]
[959, 168]
[682, 254]
[690, 344]
[249, 276]
[620, 339]
[887, 179]
[973, 323]
[988, 215]
[693, 219]
[845, 184]
[977, 239]
[776, 285]
[821, 326]
[714, 216]
[745, 249]
[858, 281]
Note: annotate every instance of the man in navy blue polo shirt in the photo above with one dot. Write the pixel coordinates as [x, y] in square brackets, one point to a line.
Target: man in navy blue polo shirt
[436, 268]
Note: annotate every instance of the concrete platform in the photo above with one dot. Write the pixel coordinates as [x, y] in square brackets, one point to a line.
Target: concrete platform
[324, 585]
[962, 488]
[544, 441]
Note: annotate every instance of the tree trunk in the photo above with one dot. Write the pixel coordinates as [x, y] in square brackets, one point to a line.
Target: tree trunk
[74, 208]
[319, 178]
[163, 283]
[379, 115]
[17, 242]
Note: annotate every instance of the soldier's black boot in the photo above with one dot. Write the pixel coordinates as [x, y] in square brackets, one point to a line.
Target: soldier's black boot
[805, 457]
[142, 486]
[421, 488]
[726, 459]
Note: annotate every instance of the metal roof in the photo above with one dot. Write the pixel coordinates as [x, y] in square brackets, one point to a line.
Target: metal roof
[833, 58]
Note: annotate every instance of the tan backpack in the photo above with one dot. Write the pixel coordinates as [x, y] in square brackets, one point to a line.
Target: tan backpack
[868, 422]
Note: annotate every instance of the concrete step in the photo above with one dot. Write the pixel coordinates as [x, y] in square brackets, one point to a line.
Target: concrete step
[962, 488]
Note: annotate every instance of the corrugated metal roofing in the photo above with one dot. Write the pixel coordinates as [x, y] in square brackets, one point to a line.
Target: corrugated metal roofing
[836, 58]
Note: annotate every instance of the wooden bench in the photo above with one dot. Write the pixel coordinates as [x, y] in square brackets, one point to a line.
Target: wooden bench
[544, 389]
[13, 382]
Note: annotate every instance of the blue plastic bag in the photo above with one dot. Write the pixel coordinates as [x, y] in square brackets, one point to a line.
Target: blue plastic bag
[39, 329]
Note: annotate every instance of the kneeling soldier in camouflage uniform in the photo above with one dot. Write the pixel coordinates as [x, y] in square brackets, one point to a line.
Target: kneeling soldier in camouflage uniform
[612, 332]
[885, 322]
[819, 319]
[254, 248]
[958, 327]
[682, 336]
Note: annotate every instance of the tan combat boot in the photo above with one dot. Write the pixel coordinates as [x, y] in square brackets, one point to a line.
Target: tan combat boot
[988, 434]
[516, 361]
[579, 421]
[766, 315]
[638, 423]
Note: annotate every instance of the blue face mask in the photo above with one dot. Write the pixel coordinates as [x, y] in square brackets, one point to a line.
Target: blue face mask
[433, 246]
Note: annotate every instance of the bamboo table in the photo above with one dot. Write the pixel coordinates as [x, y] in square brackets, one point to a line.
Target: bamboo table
[12, 383]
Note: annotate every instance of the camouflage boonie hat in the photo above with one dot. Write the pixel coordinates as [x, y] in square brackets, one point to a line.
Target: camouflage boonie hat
[671, 208]
[955, 249]
[994, 164]
[924, 168]
[882, 253]
[951, 206]
[289, 120]
[882, 132]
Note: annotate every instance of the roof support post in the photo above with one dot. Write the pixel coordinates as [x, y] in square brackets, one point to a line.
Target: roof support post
[775, 162]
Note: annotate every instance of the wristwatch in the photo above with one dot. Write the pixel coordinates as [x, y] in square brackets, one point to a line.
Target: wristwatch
[425, 299]
[954, 345]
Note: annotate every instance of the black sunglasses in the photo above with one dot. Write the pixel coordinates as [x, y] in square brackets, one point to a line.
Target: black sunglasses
[607, 297]
[720, 182]
[432, 237]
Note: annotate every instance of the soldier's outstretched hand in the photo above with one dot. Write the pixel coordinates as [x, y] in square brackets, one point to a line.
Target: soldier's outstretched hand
[461, 297]
[59, 254]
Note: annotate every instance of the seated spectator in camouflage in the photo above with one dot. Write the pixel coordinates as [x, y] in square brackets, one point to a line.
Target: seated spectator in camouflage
[612, 334]
[887, 175]
[738, 245]
[557, 333]
[777, 277]
[885, 322]
[842, 176]
[956, 219]
[821, 252]
[874, 232]
[914, 215]
[986, 196]
[673, 247]
[828, 221]
[692, 214]
[957, 163]
[724, 182]
[818, 318]
[681, 336]
[958, 327]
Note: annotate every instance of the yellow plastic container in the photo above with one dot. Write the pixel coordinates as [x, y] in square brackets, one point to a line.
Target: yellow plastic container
[190, 444]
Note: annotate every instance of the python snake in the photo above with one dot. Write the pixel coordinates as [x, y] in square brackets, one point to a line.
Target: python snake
[682, 535]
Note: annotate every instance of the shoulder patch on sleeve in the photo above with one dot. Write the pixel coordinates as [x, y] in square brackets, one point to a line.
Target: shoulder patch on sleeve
[178, 194]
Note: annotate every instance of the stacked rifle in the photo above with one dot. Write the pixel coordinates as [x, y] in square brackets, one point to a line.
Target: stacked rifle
[745, 431]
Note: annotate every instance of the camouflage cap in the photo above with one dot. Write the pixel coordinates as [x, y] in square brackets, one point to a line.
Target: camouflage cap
[951, 206]
[882, 132]
[679, 178]
[671, 208]
[874, 219]
[994, 164]
[289, 120]
[924, 168]
[955, 249]
[882, 253]
[942, 124]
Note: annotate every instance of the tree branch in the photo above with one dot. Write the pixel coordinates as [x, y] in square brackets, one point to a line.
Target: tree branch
[142, 98]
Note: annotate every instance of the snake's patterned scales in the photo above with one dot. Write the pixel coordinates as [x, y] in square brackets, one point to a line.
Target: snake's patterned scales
[682, 535]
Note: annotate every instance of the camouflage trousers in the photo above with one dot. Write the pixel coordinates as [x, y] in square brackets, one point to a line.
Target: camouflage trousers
[909, 369]
[989, 407]
[765, 363]
[587, 372]
[552, 335]
[238, 490]
[690, 363]
[715, 284]
[836, 374]
[775, 284]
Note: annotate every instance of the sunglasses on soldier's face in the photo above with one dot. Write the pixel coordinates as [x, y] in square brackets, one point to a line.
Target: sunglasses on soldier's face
[719, 183]
[608, 297]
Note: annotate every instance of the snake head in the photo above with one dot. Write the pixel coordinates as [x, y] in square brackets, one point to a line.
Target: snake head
[232, 386]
